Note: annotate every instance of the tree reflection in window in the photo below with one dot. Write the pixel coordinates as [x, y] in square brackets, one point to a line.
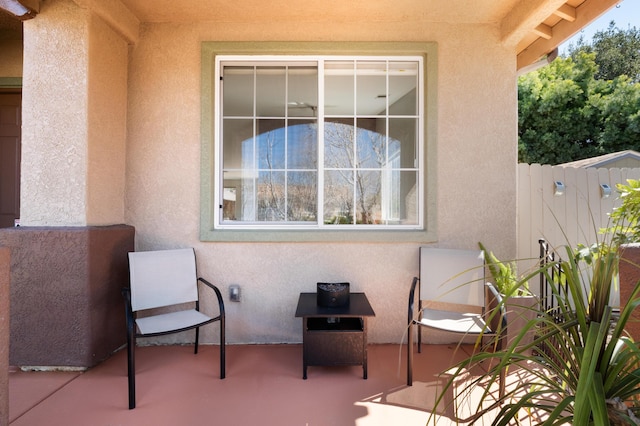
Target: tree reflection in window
[284, 185]
[362, 176]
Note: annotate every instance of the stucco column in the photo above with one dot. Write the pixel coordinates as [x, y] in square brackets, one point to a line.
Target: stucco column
[74, 118]
[4, 335]
[629, 277]
[69, 257]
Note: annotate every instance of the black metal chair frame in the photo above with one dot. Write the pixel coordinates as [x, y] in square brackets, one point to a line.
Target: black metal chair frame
[132, 335]
[415, 289]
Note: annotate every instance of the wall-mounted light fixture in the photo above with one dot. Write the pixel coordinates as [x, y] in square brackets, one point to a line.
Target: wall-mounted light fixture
[605, 190]
[558, 188]
[21, 9]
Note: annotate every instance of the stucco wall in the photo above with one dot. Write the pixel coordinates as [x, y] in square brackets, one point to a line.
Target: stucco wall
[75, 151]
[475, 124]
[5, 281]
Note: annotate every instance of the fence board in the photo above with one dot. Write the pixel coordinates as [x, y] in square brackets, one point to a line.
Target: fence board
[582, 207]
[571, 218]
[527, 238]
[572, 209]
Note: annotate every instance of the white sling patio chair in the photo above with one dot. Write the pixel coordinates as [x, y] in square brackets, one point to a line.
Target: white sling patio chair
[449, 279]
[160, 279]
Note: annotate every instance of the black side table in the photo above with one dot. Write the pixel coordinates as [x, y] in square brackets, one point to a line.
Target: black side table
[334, 336]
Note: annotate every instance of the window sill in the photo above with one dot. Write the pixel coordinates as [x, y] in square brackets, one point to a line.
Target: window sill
[355, 236]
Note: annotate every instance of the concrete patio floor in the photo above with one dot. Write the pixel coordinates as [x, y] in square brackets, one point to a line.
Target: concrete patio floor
[264, 386]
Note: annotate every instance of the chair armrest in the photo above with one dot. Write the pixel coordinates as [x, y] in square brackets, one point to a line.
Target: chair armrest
[495, 292]
[412, 297]
[218, 295]
[130, 319]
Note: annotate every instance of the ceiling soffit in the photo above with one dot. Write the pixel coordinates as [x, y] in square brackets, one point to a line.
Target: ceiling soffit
[535, 27]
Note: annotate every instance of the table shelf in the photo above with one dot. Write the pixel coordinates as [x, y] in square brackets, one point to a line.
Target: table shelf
[338, 324]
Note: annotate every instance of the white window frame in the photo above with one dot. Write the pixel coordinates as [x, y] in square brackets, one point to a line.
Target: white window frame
[318, 61]
[210, 50]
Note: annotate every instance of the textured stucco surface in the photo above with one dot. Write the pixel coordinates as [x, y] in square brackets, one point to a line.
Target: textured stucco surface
[334, 11]
[474, 125]
[106, 130]
[74, 110]
[66, 305]
[5, 281]
[54, 104]
[629, 279]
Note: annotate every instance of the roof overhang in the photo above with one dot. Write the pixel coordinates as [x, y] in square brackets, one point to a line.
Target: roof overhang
[540, 32]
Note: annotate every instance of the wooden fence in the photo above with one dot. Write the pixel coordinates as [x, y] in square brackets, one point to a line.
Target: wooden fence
[563, 205]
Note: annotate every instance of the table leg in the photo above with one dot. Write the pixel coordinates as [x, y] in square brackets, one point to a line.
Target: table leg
[364, 348]
[304, 348]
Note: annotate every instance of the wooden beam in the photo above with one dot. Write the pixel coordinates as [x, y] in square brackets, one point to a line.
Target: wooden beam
[544, 31]
[566, 12]
[525, 17]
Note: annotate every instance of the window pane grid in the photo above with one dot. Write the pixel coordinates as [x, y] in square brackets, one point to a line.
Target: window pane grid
[359, 172]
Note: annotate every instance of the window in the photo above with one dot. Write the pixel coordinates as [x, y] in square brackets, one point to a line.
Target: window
[318, 143]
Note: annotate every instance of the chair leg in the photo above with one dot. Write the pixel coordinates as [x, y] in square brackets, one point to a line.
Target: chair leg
[222, 349]
[410, 356]
[131, 371]
[420, 310]
[195, 350]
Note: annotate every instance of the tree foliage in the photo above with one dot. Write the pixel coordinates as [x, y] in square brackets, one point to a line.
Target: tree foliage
[582, 105]
[617, 52]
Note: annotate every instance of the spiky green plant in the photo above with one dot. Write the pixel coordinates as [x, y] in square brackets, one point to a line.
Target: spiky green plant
[581, 369]
[505, 275]
[626, 218]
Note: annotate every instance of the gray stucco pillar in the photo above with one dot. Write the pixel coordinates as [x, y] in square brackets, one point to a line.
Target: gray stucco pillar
[4, 335]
